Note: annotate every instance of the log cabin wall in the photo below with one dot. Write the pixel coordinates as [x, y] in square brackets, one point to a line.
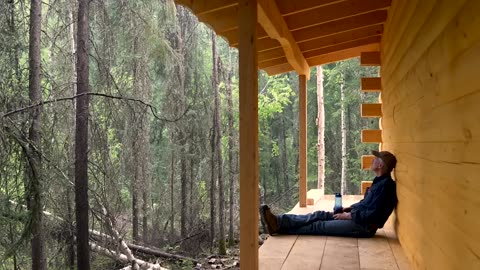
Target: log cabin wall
[430, 72]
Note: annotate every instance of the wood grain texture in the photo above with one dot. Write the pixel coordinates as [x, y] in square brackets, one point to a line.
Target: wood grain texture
[430, 121]
[371, 84]
[302, 122]
[341, 253]
[248, 85]
[371, 110]
[366, 162]
[375, 252]
[371, 136]
[370, 59]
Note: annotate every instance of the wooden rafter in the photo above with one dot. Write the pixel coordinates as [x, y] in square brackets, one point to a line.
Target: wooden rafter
[325, 59]
[323, 51]
[315, 32]
[334, 12]
[273, 23]
[327, 41]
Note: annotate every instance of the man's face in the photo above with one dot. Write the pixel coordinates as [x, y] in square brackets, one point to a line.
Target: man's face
[377, 164]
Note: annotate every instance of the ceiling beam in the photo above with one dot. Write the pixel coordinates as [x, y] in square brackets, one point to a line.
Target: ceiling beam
[334, 12]
[314, 32]
[327, 41]
[323, 51]
[273, 23]
[325, 59]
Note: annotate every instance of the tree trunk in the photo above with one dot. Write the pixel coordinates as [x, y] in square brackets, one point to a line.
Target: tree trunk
[183, 190]
[321, 132]
[231, 147]
[172, 196]
[213, 148]
[35, 200]
[344, 139]
[218, 148]
[81, 138]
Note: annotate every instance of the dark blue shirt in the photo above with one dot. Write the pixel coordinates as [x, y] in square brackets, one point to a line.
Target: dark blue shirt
[378, 203]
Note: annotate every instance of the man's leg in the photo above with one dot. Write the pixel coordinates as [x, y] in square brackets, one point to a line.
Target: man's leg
[287, 222]
[332, 227]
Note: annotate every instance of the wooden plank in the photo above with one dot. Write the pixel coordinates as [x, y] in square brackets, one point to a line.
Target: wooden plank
[343, 37]
[274, 24]
[321, 30]
[340, 253]
[288, 7]
[341, 55]
[370, 59]
[343, 46]
[371, 84]
[306, 253]
[274, 251]
[324, 59]
[364, 185]
[376, 253]
[338, 26]
[323, 51]
[398, 253]
[442, 15]
[302, 139]
[371, 136]
[334, 12]
[367, 161]
[371, 110]
[248, 84]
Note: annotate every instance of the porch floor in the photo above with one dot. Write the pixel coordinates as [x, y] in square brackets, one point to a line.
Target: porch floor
[291, 252]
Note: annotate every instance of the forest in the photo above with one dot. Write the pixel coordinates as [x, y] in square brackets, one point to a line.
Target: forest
[119, 136]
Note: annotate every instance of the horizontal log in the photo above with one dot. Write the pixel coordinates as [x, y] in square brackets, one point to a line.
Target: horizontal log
[371, 110]
[367, 161]
[370, 59]
[371, 136]
[372, 84]
[365, 185]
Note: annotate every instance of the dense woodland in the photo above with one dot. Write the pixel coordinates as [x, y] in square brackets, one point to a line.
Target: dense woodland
[153, 103]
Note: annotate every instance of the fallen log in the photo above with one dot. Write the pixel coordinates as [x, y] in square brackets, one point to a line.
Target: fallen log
[124, 259]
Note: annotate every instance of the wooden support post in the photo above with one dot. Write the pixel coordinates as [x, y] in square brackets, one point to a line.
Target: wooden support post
[302, 122]
[371, 84]
[248, 83]
[367, 161]
[371, 136]
[371, 110]
[370, 59]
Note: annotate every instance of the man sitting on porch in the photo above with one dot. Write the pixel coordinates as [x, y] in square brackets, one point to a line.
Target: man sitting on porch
[361, 219]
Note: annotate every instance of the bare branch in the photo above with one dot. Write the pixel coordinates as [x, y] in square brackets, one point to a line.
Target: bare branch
[153, 109]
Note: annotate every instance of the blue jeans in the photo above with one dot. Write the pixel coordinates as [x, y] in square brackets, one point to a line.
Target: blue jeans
[321, 223]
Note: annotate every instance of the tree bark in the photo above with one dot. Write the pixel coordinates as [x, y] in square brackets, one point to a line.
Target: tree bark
[231, 148]
[321, 132]
[172, 196]
[34, 198]
[81, 138]
[218, 148]
[213, 145]
[344, 139]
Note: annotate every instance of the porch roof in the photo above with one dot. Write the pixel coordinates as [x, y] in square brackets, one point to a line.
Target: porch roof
[295, 35]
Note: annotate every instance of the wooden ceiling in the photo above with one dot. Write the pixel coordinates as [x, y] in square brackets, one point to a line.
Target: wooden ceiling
[298, 34]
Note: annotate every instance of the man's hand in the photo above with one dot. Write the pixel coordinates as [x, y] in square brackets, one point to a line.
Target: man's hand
[342, 216]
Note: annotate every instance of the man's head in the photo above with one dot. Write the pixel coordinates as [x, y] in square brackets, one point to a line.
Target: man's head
[384, 162]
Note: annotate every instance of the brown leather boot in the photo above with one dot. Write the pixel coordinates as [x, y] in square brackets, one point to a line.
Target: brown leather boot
[269, 219]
